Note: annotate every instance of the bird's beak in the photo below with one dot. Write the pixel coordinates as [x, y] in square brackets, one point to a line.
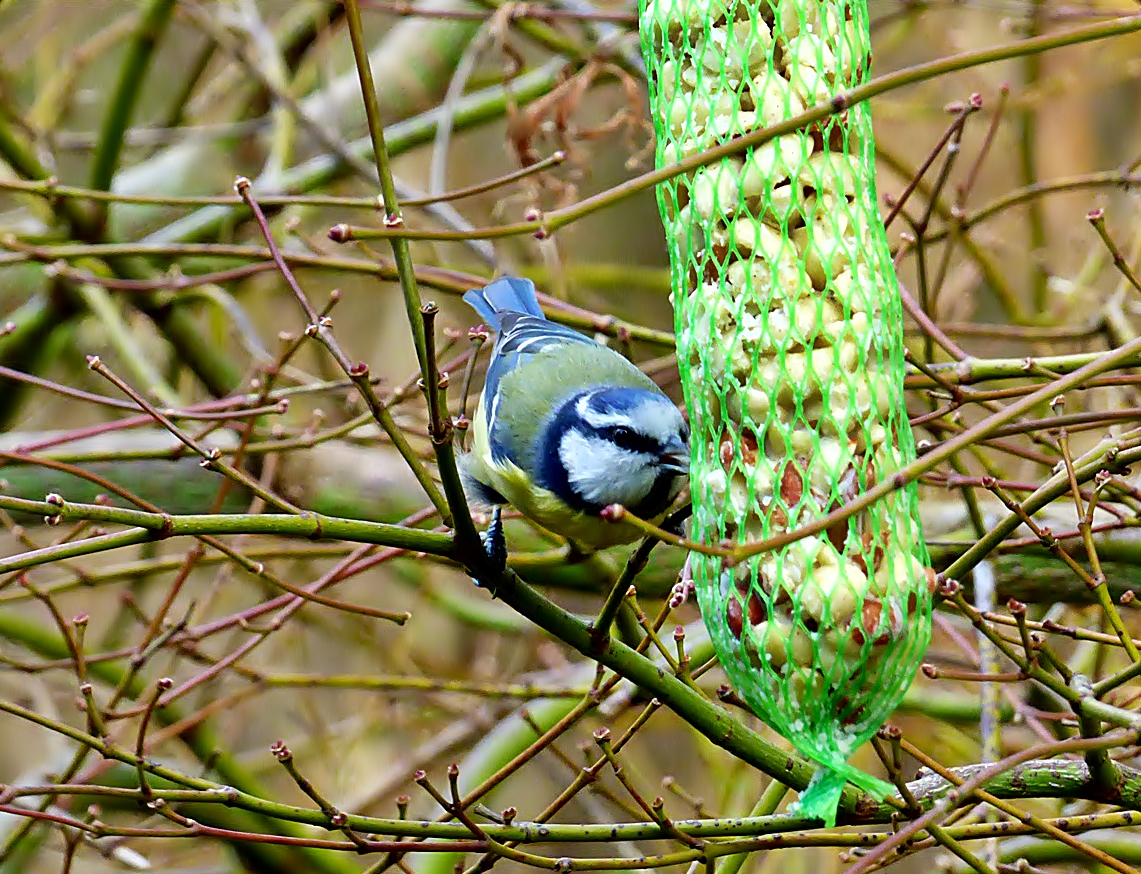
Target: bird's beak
[676, 458]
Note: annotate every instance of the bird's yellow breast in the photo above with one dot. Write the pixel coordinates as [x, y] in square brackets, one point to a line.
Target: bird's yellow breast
[539, 504]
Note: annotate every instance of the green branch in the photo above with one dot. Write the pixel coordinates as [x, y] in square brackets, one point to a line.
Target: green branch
[1045, 778]
[132, 76]
[456, 513]
[159, 526]
[714, 722]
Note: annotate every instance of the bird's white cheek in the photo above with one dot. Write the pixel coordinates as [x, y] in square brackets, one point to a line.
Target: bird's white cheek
[603, 473]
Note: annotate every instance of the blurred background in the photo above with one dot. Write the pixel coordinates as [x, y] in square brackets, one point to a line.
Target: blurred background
[471, 93]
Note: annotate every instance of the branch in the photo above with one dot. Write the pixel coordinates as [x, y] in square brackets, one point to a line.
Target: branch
[159, 526]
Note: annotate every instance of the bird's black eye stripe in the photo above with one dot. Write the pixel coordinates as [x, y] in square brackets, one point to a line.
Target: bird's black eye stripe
[628, 438]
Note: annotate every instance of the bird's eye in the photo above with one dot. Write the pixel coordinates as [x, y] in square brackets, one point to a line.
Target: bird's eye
[625, 437]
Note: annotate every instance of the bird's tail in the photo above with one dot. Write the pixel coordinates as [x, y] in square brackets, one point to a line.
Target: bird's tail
[509, 294]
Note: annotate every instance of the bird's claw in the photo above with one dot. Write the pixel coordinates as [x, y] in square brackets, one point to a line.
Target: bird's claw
[495, 547]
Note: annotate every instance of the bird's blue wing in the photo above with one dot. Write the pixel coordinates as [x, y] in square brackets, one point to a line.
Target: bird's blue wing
[521, 336]
[511, 307]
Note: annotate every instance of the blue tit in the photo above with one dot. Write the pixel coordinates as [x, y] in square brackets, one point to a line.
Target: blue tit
[566, 426]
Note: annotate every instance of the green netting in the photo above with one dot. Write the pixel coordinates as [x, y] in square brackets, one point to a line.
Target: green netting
[790, 345]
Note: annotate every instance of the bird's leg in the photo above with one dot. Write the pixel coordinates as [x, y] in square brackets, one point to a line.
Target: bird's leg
[675, 524]
[495, 545]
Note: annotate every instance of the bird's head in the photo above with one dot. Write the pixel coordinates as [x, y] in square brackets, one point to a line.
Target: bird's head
[616, 445]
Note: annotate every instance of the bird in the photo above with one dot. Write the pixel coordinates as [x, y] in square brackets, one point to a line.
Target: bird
[565, 427]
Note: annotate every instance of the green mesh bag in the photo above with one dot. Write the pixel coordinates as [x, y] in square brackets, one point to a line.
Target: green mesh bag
[790, 345]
